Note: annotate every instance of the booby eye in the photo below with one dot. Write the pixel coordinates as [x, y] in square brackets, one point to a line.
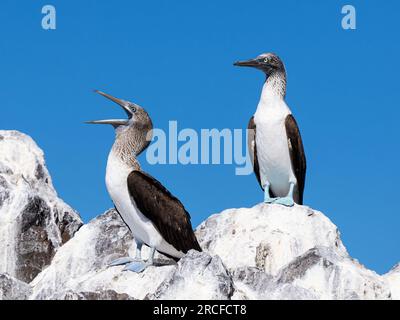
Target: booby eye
[266, 60]
[133, 109]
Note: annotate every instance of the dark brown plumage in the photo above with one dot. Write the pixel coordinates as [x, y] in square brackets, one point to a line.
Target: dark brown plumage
[147, 197]
[296, 151]
[275, 87]
[252, 147]
[297, 155]
[165, 211]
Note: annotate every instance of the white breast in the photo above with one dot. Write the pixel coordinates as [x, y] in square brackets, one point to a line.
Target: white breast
[272, 146]
[142, 228]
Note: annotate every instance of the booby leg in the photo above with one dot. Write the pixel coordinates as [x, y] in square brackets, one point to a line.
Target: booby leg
[138, 255]
[125, 260]
[267, 197]
[139, 266]
[288, 200]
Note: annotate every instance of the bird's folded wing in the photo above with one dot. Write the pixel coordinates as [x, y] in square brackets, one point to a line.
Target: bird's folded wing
[297, 154]
[252, 148]
[166, 212]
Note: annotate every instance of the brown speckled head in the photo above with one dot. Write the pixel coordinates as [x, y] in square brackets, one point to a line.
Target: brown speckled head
[269, 63]
[136, 134]
[274, 69]
[133, 135]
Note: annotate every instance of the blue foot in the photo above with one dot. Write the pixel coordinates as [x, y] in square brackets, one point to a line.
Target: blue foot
[267, 198]
[121, 261]
[286, 201]
[270, 200]
[137, 266]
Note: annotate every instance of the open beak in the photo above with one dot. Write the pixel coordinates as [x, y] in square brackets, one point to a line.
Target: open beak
[115, 122]
[247, 63]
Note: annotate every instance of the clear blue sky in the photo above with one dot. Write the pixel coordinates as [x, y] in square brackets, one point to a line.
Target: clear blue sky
[175, 59]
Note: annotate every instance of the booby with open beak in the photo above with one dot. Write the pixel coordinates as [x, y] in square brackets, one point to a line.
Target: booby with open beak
[154, 216]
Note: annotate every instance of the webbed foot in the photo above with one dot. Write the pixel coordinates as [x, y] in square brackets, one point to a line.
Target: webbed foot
[270, 200]
[137, 266]
[286, 201]
[121, 261]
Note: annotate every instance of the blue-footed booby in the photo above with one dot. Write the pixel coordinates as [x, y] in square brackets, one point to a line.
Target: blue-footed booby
[154, 216]
[274, 139]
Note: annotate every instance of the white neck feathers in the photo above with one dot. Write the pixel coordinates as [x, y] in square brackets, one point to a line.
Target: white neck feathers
[273, 96]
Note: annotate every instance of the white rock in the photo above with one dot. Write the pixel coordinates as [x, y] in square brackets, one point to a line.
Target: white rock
[197, 276]
[264, 252]
[330, 276]
[79, 269]
[13, 289]
[253, 284]
[393, 278]
[34, 222]
[81, 265]
[96, 295]
[267, 236]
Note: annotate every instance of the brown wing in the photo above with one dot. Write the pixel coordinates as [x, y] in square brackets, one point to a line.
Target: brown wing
[297, 156]
[252, 147]
[166, 212]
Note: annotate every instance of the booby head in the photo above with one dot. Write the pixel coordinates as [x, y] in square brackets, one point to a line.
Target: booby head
[269, 63]
[136, 114]
[133, 133]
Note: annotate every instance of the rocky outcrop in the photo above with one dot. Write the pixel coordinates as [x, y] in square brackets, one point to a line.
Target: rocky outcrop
[96, 295]
[255, 253]
[393, 279]
[34, 222]
[254, 284]
[269, 236]
[81, 265]
[13, 289]
[265, 252]
[340, 277]
[197, 276]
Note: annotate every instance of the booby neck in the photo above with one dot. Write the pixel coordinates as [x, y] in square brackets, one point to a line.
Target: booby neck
[273, 94]
[129, 143]
[275, 85]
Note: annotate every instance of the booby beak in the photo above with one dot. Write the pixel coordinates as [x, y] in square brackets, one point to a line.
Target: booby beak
[115, 122]
[247, 63]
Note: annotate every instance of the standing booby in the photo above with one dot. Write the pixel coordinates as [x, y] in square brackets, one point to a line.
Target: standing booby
[154, 216]
[274, 139]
